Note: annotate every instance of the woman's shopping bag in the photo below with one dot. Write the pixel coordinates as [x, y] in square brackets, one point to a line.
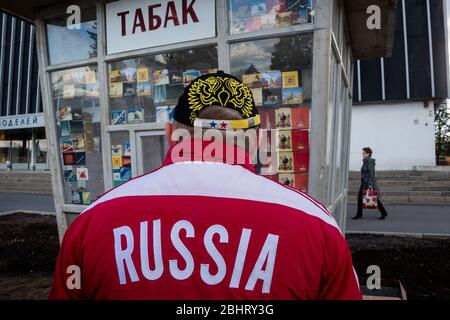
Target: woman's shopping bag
[370, 199]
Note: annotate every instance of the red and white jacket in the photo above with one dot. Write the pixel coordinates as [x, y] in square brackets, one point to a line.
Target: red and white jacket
[204, 230]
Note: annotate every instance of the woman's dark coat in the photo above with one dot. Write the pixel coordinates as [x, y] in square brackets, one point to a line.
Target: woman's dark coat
[368, 174]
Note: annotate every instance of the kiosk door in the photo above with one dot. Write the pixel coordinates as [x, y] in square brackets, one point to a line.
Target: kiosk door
[151, 150]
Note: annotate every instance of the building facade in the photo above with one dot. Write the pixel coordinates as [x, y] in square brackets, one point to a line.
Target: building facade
[23, 144]
[394, 97]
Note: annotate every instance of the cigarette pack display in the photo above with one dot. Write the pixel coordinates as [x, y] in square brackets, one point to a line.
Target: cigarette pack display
[129, 89]
[283, 118]
[300, 118]
[116, 89]
[68, 158]
[144, 89]
[271, 97]
[292, 95]
[129, 75]
[116, 76]
[126, 161]
[284, 140]
[298, 181]
[285, 162]
[117, 150]
[271, 79]
[125, 173]
[70, 176]
[80, 158]
[135, 115]
[127, 149]
[290, 162]
[300, 140]
[85, 197]
[301, 162]
[78, 143]
[118, 117]
[142, 75]
[67, 145]
[76, 197]
[290, 79]
[116, 162]
[116, 174]
[82, 174]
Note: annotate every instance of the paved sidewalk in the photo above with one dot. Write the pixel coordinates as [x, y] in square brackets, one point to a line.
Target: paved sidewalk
[27, 202]
[403, 218]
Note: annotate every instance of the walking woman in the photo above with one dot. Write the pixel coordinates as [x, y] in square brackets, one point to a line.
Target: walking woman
[368, 181]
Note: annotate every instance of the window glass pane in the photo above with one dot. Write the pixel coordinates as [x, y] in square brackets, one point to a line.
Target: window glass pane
[73, 42]
[335, 86]
[41, 151]
[254, 15]
[19, 151]
[77, 107]
[146, 89]
[4, 150]
[279, 74]
[339, 142]
[371, 81]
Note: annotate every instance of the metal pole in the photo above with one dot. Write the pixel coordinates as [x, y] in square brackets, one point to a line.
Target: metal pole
[33, 151]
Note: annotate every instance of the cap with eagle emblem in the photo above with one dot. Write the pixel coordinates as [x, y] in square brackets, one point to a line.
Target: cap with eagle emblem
[217, 89]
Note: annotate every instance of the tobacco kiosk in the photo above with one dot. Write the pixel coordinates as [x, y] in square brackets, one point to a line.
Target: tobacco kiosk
[112, 71]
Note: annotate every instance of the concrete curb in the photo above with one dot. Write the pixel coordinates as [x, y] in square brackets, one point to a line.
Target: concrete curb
[44, 213]
[409, 203]
[404, 234]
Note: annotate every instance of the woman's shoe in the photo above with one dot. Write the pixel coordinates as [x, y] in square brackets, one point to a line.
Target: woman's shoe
[357, 217]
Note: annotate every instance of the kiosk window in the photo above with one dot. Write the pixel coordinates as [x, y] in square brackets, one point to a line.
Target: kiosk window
[77, 107]
[146, 89]
[68, 42]
[279, 74]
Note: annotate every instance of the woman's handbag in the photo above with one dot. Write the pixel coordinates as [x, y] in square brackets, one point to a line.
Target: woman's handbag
[370, 199]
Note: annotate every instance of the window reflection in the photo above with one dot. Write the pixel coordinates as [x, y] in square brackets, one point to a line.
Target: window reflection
[72, 43]
[254, 15]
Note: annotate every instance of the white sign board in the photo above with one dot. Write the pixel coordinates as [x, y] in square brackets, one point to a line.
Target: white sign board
[137, 24]
[22, 121]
